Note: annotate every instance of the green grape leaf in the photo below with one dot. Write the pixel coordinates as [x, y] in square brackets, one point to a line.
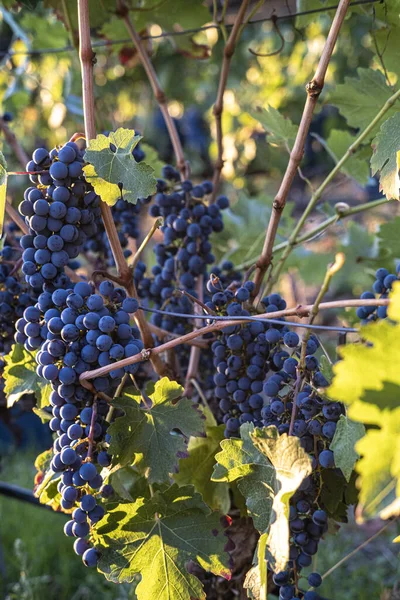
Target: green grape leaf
[343, 444]
[156, 538]
[46, 481]
[3, 190]
[270, 468]
[147, 437]
[153, 159]
[21, 378]
[338, 143]
[379, 467]
[359, 99]
[388, 237]
[373, 399]
[99, 12]
[365, 370]
[113, 171]
[168, 14]
[44, 33]
[326, 368]
[384, 159]
[282, 131]
[332, 490]
[198, 467]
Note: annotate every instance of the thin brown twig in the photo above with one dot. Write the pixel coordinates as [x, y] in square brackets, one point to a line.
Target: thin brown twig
[158, 92]
[298, 311]
[314, 89]
[86, 56]
[331, 271]
[195, 351]
[229, 51]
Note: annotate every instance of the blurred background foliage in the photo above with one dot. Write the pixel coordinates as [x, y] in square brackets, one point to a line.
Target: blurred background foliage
[40, 90]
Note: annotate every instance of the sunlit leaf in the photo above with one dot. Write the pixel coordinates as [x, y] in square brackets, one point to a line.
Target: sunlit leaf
[384, 159]
[149, 437]
[113, 171]
[156, 538]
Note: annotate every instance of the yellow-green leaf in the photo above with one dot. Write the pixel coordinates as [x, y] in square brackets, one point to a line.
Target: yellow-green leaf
[113, 171]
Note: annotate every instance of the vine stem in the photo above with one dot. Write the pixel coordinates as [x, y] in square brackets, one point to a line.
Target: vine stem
[158, 92]
[229, 51]
[299, 311]
[195, 352]
[331, 271]
[314, 89]
[341, 213]
[293, 240]
[86, 56]
[91, 430]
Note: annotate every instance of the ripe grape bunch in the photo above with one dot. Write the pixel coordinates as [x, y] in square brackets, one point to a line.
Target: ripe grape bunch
[259, 379]
[15, 296]
[185, 251]
[61, 213]
[381, 288]
[80, 330]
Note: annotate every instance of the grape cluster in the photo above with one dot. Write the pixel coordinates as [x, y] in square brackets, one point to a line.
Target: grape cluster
[315, 425]
[15, 296]
[185, 252]
[381, 288]
[61, 212]
[78, 330]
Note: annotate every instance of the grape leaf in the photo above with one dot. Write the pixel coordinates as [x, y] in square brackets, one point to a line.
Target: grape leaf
[379, 467]
[270, 468]
[146, 437]
[113, 171]
[198, 467]
[338, 143]
[21, 378]
[156, 538]
[281, 129]
[388, 236]
[99, 12]
[372, 399]
[3, 190]
[167, 14]
[46, 481]
[384, 159]
[343, 444]
[365, 369]
[360, 98]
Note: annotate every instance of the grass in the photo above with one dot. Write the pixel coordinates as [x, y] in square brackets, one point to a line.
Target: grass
[37, 561]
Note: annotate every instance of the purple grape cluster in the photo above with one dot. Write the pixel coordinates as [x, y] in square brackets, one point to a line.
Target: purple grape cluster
[77, 330]
[61, 211]
[185, 252]
[15, 296]
[380, 289]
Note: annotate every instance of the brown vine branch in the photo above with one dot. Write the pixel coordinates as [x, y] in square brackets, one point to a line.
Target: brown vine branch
[314, 89]
[298, 311]
[86, 56]
[158, 92]
[229, 51]
[194, 357]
